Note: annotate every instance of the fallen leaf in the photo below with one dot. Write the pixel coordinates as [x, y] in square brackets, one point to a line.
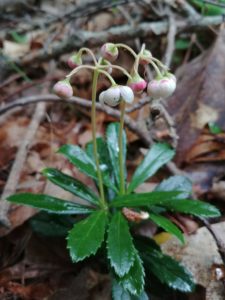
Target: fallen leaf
[199, 254]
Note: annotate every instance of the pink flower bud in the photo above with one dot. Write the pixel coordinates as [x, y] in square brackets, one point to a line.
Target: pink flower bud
[137, 84]
[63, 89]
[109, 51]
[110, 96]
[145, 57]
[161, 88]
[74, 61]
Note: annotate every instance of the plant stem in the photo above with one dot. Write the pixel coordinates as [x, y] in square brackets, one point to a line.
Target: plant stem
[112, 81]
[164, 67]
[159, 74]
[90, 53]
[120, 45]
[120, 141]
[95, 149]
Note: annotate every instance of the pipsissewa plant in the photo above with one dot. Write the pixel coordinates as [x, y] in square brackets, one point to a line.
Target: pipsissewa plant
[111, 214]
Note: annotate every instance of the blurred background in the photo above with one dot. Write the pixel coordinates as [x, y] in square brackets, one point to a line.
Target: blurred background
[36, 39]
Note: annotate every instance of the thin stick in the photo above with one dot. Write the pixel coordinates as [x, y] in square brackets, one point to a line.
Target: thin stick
[170, 40]
[129, 122]
[13, 179]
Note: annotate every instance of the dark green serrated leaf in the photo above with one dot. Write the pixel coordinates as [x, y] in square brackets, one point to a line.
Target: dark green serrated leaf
[80, 159]
[103, 154]
[120, 246]
[84, 163]
[192, 207]
[168, 200]
[118, 292]
[112, 136]
[86, 237]
[143, 199]
[71, 185]
[167, 225]
[168, 271]
[49, 203]
[133, 281]
[157, 156]
[104, 162]
[176, 183]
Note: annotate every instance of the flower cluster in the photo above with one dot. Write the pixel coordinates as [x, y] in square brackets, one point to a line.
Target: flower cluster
[162, 86]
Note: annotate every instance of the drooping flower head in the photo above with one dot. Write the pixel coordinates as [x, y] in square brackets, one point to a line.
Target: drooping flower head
[63, 89]
[162, 88]
[137, 83]
[74, 61]
[115, 94]
[109, 51]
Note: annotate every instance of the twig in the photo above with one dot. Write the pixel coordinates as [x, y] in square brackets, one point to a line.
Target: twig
[189, 9]
[85, 9]
[20, 158]
[130, 123]
[116, 34]
[158, 106]
[170, 39]
[219, 243]
[142, 102]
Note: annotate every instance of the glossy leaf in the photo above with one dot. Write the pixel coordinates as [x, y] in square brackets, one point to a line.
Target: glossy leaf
[168, 200]
[176, 183]
[192, 207]
[143, 199]
[84, 163]
[80, 159]
[71, 185]
[168, 271]
[167, 225]
[157, 156]
[112, 135]
[118, 292]
[120, 246]
[49, 203]
[133, 281]
[104, 161]
[87, 236]
[103, 154]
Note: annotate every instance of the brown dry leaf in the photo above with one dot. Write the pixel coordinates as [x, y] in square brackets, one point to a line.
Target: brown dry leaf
[199, 99]
[199, 254]
[208, 147]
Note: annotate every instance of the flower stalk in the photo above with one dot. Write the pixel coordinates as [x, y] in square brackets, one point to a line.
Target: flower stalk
[93, 127]
[120, 142]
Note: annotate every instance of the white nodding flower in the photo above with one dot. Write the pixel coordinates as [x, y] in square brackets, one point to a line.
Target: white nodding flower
[127, 94]
[162, 88]
[115, 94]
[110, 96]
